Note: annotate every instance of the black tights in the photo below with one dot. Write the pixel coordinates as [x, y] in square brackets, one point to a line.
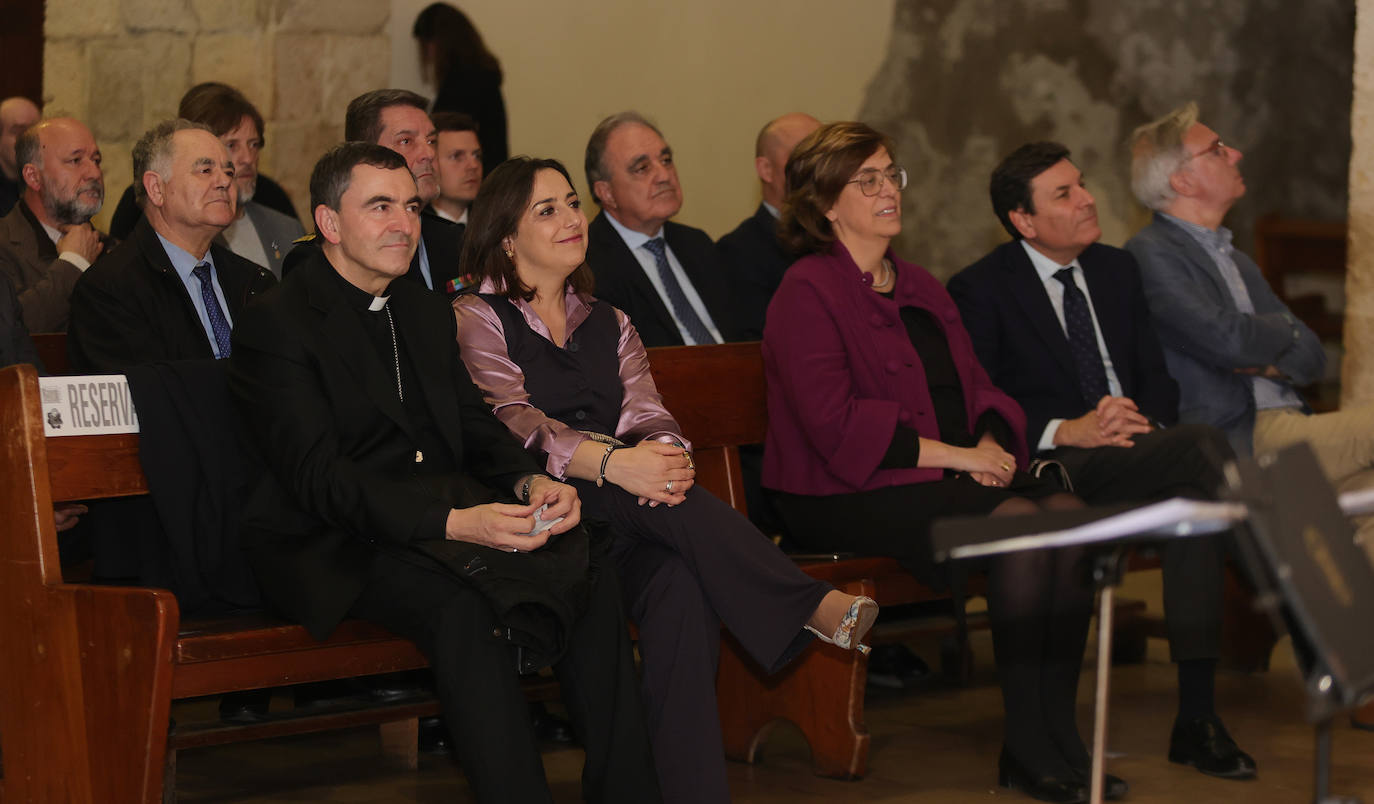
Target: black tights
[1039, 605]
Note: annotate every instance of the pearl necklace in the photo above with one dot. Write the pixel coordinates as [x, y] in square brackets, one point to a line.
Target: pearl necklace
[887, 275]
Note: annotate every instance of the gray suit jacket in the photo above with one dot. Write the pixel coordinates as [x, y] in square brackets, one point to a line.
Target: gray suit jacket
[44, 283]
[1206, 338]
[276, 231]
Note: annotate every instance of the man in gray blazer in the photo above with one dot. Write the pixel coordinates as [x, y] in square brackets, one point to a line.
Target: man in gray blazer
[47, 241]
[1237, 352]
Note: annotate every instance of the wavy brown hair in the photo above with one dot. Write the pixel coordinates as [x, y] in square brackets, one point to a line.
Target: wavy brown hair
[819, 168]
[496, 212]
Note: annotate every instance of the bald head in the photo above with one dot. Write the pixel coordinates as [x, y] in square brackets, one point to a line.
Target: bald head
[16, 115]
[60, 165]
[774, 144]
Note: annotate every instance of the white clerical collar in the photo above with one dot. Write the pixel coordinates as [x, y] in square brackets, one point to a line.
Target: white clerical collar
[378, 302]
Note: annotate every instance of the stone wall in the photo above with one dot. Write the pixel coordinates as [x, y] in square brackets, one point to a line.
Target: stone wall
[966, 81]
[122, 65]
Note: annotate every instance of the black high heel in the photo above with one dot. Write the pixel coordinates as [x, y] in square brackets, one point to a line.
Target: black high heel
[1012, 775]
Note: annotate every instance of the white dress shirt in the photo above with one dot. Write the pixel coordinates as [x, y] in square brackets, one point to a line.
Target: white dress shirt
[1046, 268]
[635, 241]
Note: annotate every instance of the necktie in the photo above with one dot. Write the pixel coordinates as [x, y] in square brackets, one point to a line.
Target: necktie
[219, 325]
[682, 309]
[1092, 377]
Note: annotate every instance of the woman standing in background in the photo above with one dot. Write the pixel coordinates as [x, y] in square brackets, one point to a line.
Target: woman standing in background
[466, 76]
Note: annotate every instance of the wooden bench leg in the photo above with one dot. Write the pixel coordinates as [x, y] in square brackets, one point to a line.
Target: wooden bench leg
[822, 693]
[401, 742]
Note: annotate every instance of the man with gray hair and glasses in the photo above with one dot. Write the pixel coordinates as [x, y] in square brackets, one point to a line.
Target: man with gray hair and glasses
[1238, 353]
[665, 276]
[169, 292]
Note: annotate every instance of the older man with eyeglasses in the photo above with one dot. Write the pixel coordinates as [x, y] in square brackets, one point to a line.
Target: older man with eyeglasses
[1238, 353]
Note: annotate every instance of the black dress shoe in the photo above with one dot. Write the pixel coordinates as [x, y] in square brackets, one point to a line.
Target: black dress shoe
[549, 727]
[895, 666]
[433, 736]
[1203, 743]
[1114, 788]
[1012, 775]
[246, 706]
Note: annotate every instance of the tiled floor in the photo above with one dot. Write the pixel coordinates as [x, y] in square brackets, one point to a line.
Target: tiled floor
[937, 744]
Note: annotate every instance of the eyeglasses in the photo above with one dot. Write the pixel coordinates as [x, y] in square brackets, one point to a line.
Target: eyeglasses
[1217, 148]
[870, 180]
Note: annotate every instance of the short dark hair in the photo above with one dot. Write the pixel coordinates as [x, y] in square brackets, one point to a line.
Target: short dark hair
[330, 178]
[454, 121]
[363, 120]
[496, 214]
[1010, 186]
[596, 145]
[817, 172]
[220, 107]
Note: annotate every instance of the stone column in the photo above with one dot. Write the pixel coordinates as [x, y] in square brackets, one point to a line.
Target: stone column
[1357, 372]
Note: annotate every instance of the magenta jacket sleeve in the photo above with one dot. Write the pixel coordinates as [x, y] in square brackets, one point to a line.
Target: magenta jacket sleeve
[843, 374]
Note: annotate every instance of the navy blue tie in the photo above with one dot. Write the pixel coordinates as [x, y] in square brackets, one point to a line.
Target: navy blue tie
[219, 325]
[682, 309]
[1092, 377]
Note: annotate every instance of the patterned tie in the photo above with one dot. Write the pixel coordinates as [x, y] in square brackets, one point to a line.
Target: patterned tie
[682, 309]
[218, 324]
[1092, 377]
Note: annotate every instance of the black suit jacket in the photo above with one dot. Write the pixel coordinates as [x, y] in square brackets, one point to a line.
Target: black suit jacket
[621, 280]
[320, 409]
[15, 344]
[131, 307]
[754, 262]
[443, 244]
[1020, 342]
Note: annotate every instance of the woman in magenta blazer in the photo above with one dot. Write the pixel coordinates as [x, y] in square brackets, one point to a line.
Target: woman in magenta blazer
[881, 420]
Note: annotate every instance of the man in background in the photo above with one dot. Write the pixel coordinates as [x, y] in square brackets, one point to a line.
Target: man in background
[47, 241]
[753, 258]
[16, 115]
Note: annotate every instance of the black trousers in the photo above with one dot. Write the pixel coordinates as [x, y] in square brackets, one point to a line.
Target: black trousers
[685, 571]
[480, 693]
[1180, 461]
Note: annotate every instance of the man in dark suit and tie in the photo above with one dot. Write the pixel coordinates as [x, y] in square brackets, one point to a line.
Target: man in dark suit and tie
[753, 257]
[1060, 323]
[169, 292]
[383, 465]
[665, 276]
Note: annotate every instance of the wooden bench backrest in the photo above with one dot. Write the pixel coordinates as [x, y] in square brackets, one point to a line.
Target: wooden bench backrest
[718, 396]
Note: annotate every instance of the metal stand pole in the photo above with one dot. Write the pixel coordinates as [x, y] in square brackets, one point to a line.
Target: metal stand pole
[1104, 666]
[1322, 756]
[1106, 576]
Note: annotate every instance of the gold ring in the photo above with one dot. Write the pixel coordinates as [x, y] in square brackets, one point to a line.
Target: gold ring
[691, 464]
[1006, 467]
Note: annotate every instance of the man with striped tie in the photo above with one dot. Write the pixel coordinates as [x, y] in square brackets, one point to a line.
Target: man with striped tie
[665, 276]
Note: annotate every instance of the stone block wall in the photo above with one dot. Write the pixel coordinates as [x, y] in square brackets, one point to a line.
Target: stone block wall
[122, 65]
[966, 81]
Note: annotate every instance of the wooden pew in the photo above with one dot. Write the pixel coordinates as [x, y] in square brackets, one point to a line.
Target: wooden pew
[89, 672]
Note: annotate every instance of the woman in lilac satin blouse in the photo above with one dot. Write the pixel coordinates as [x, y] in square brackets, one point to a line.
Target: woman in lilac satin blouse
[568, 375]
[880, 420]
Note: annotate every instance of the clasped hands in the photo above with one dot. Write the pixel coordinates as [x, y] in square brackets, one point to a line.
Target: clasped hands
[653, 471]
[1113, 423]
[507, 526]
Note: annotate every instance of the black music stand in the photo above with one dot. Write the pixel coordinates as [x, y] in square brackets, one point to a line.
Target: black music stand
[1315, 581]
[1109, 532]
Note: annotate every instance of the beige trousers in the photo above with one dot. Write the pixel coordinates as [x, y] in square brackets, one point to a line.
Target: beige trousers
[1343, 441]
